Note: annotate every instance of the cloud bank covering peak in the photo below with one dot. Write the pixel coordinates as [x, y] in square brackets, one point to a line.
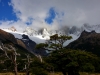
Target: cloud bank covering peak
[52, 13]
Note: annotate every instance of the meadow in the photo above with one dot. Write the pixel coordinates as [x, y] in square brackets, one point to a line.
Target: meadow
[81, 73]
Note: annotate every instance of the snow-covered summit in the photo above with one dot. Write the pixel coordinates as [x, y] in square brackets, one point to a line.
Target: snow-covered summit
[29, 31]
[45, 33]
[11, 29]
[34, 37]
[40, 35]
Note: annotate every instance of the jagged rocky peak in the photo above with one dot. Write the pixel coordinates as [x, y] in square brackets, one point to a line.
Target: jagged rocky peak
[86, 33]
[42, 31]
[30, 31]
[45, 32]
[90, 28]
[12, 29]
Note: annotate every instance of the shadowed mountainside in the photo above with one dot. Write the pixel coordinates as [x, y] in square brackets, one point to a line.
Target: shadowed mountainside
[88, 41]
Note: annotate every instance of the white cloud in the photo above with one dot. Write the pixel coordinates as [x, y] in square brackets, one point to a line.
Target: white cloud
[76, 12]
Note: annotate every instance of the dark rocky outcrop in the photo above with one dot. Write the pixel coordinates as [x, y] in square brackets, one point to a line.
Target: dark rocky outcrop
[30, 45]
[88, 41]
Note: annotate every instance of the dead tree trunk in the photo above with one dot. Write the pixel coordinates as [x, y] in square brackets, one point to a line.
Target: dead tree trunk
[11, 54]
[15, 67]
[28, 65]
[15, 64]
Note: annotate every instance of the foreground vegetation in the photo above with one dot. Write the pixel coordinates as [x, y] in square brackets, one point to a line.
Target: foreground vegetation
[12, 73]
[60, 61]
[81, 73]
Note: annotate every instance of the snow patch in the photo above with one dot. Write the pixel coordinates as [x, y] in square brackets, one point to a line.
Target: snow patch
[74, 37]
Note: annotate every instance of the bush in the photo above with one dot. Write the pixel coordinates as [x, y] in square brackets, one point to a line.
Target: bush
[38, 71]
[88, 67]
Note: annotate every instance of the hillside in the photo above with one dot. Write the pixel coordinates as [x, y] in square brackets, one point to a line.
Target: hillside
[88, 41]
[7, 38]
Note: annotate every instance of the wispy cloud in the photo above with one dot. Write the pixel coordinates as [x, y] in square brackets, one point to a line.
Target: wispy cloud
[54, 13]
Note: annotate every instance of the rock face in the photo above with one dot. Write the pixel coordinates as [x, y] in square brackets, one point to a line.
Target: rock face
[88, 41]
[21, 43]
[30, 45]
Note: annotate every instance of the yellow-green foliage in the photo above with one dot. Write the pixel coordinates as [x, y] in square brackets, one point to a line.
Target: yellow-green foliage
[81, 73]
[6, 73]
[55, 73]
[84, 73]
[12, 73]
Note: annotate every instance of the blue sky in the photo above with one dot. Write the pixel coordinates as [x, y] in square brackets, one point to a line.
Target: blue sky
[6, 11]
[51, 15]
[48, 13]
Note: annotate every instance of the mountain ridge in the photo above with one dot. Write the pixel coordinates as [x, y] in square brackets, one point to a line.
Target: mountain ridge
[32, 37]
[25, 43]
[88, 41]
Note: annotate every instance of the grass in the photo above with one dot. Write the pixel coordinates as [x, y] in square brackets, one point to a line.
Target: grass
[55, 73]
[81, 73]
[9, 73]
[84, 73]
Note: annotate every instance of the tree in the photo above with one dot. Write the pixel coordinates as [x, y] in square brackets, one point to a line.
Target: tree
[64, 60]
[72, 61]
[10, 53]
[28, 64]
[38, 67]
[54, 43]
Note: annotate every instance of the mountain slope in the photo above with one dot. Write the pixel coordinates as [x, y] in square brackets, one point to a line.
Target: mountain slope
[7, 38]
[88, 41]
[22, 42]
[41, 35]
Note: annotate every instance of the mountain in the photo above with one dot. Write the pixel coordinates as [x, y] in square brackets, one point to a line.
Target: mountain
[88, 41]
[22, 42]
[12, 29]
[42, 32]
[8, 38]
[5, 36]
[90, 28]
[30, 31]
[29, 37]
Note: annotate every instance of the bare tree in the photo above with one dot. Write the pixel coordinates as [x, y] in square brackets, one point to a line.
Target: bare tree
[28, 64]
[40, 58]
[11, 54]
